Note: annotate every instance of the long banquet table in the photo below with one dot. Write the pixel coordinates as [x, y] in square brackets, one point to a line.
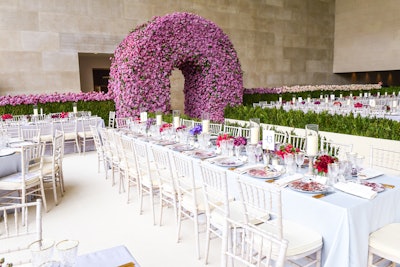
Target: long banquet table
[344, 221]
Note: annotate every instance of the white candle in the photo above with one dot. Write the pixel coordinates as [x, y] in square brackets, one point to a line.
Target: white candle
[341, 96]
[385, 93]
[41, 111]
[308, 99]
[332, 97]
[280, 99]
[75, 109]
[372, 102]
[205, 126]
[176, 122]
[321, 96]
[326, 100]
[35, 112]
[158, 119]
[348, 102]
[254, 135]
[351, 95]
[360, 95]
[294, 99]
[300, 99]
[378, 94]
[143, 116]
[312, 145]
[365, 94]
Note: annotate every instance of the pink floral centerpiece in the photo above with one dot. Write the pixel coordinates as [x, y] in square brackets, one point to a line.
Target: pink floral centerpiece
[6, 116]
[358, 105]
[286, 149]
[222, 137]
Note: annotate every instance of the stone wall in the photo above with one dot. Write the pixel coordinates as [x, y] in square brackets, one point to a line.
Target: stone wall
[279, 42]
[372, 43]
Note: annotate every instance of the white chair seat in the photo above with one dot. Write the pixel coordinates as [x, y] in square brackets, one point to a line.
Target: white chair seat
[301, 239]
[236, 214]
[69, 136]
[46, 138]
[386, 240]
[13, 181]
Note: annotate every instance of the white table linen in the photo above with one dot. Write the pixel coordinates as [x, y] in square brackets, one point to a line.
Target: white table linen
[344, 220]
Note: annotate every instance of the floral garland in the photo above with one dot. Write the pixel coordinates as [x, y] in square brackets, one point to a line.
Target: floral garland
[143, 62]
[52, 98]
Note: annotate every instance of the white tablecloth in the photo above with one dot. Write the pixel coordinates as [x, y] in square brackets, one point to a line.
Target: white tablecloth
[111, 257]
[344, 221]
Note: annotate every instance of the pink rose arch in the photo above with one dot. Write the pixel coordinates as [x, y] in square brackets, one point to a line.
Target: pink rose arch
[143, 62]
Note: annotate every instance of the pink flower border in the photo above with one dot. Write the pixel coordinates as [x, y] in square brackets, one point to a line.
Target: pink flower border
[143, 62]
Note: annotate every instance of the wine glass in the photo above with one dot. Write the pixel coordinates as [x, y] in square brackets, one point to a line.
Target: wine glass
[299, 158]
[258, 153]
[289, 162]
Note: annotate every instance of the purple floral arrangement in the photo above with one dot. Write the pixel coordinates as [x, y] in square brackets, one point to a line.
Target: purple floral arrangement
[251, 91]
[240, 141]
[143, 62]
[149, 122]
[196, 130]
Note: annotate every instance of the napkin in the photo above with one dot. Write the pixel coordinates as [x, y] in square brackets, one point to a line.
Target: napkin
[245, 169]
[286, 180]
[356, 189]
[369, 173]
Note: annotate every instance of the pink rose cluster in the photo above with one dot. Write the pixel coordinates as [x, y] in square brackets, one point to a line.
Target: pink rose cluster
[143, 62]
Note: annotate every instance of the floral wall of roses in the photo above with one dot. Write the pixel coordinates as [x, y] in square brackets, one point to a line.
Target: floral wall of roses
[144, 60]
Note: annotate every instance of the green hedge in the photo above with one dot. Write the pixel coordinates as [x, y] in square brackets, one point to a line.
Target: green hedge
[370, 127]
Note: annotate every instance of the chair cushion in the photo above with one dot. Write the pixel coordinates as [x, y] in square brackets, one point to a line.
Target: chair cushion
[301, 239]
[387, 239]
[14, 181]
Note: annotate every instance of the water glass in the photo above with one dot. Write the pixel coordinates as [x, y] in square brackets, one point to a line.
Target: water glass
[251, 156]
[299, 158]
[258, 153]
[238, 151]
[41, 251]
[67, 251]
[289, 163]
[333, 171]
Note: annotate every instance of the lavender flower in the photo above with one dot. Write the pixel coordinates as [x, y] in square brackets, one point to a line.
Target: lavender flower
[196, 130]
[240, 141]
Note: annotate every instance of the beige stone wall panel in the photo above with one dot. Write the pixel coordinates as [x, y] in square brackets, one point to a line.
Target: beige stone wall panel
[18, 20]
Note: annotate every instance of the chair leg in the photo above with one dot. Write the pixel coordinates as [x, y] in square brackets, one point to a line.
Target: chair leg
[196, 234]
[43, 195]
[208, 236]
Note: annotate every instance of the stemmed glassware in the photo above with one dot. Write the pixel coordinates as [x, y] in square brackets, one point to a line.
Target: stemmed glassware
[289, 162]
[258, 153]
[333, 172]
[299, 158]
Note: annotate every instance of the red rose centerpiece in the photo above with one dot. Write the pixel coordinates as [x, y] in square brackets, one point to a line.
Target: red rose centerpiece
[321, 163]
[286, 149]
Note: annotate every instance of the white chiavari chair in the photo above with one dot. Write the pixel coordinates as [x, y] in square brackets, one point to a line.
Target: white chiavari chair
[30, 134]
[99, 148]
[304, 243]
[335, 149]
[219, 207]
[129, 168]
[85, 134]
[46, 131]
[70, 129]
[52, 166]
[21, 226]
[111, 119]
[168, 193]
[13, 130]
[111, 160]
[122, 123]
[28, 182]
[281, 137]
[215, 128]
[297, 141]
[385, 159]
[188, 123]
[233, 130]
[246, 132]
[191, 201]
[384, 246]
[254, 248]
[147, 176]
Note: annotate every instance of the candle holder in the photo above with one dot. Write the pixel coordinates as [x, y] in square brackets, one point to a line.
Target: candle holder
[143, 114]
[35, 110]
[74, 107]
[158, 118]
[176, 118]
[311, 144]
[254, 131]
[205, 122]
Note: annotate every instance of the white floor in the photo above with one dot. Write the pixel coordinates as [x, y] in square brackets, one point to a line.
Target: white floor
[95, 213]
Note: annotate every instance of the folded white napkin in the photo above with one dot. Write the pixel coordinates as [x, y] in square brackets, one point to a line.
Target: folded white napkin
[246, 168]
[286, 180]
[356, 189]
[369, 173]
